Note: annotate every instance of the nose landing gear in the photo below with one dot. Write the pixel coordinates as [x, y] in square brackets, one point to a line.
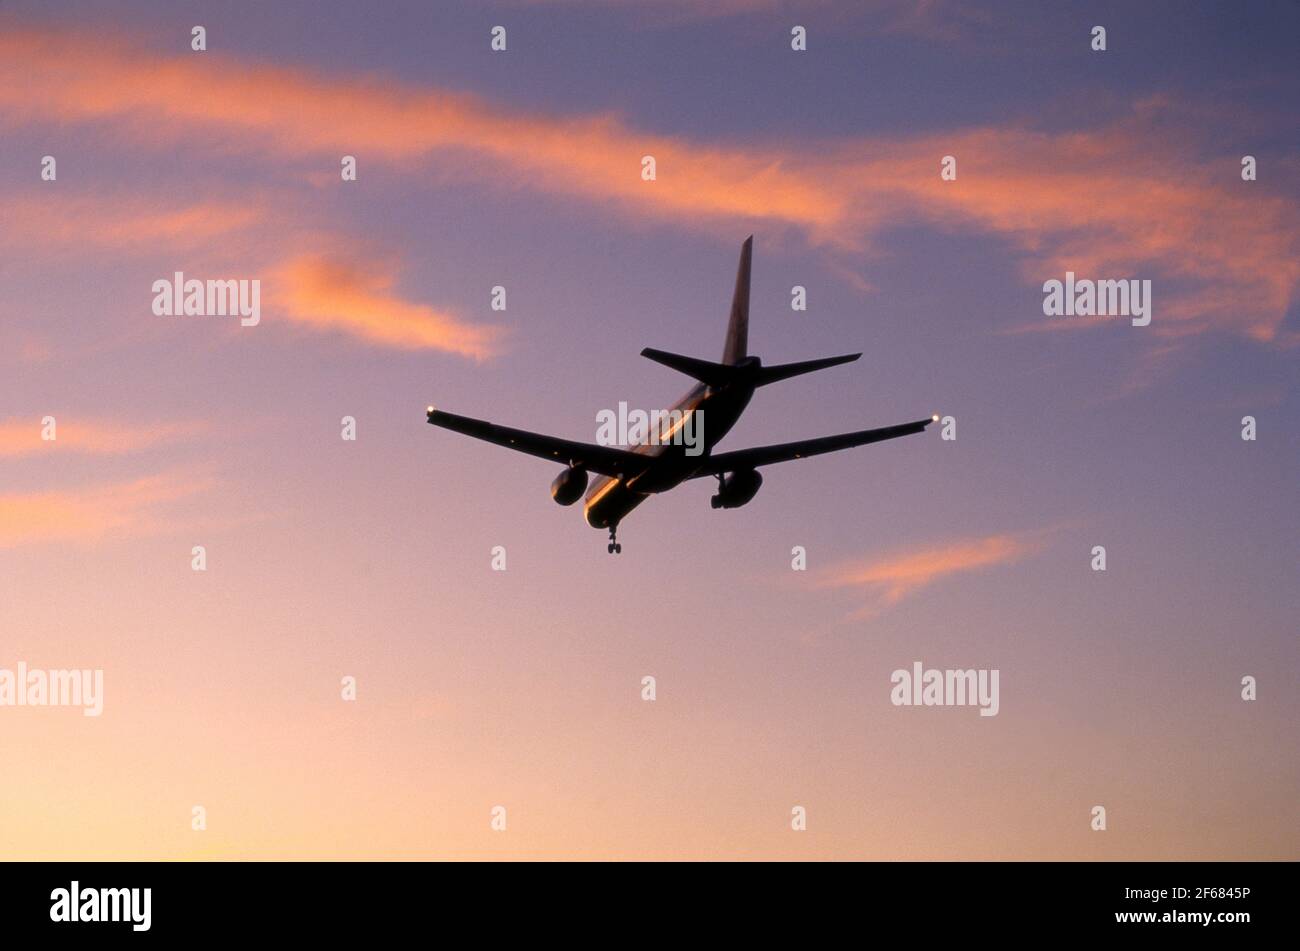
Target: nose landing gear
[614, 548]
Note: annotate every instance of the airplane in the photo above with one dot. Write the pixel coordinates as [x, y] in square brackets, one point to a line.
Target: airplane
[627, 477]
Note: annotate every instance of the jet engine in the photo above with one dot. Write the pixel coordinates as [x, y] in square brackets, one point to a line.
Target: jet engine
[569, 486]
[736, 488]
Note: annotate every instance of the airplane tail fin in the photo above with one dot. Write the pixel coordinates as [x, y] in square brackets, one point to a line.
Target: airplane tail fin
[737, 366]
[737, 346]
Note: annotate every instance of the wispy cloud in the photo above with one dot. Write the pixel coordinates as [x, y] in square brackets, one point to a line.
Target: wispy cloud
[356, 297]
[28, 349]
[889, 579]
[64, 219]
[1124, 200]
[87, 515]
[23, 436]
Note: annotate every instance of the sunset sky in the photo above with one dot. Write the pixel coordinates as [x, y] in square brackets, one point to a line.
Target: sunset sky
[372, 558]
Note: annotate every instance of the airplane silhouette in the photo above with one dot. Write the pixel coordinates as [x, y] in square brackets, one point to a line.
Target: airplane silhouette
[630, 476]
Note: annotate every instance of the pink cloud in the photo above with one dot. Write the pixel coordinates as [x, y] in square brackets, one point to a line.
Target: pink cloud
[357, 298]
[1124, 200]
[23, 436]
[889, 579]
[87, 515]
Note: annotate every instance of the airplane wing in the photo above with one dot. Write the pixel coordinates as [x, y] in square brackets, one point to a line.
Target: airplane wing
[766, 455]
[605, 460]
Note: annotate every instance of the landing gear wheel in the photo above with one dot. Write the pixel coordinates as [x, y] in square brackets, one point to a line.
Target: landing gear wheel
[614, 548]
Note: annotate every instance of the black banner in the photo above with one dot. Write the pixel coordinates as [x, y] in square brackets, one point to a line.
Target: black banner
[1174, 902]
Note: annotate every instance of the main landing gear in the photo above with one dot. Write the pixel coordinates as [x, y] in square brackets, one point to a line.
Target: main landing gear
[614, 548]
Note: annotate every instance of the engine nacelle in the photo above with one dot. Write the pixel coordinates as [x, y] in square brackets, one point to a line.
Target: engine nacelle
[736, 488]
[569, 486]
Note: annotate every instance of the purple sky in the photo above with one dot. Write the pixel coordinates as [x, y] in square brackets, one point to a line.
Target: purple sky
[372, 558]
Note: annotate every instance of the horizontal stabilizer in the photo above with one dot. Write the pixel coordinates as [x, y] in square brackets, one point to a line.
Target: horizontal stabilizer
[750, 372]
[708, 373]
[783, 371]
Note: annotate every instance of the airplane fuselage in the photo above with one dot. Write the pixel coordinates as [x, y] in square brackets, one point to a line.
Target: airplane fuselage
[610, 498]
[680, 442]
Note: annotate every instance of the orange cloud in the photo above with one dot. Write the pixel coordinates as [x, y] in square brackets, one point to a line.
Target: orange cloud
[288, 112]
[1113, 203]
[895, 577]
[62, 219]
[1125, 200]
[22, 436]
[88, 515]
[357, 298]
[27, 348]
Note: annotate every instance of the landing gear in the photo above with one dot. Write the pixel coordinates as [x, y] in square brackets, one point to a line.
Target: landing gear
[614, 548]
